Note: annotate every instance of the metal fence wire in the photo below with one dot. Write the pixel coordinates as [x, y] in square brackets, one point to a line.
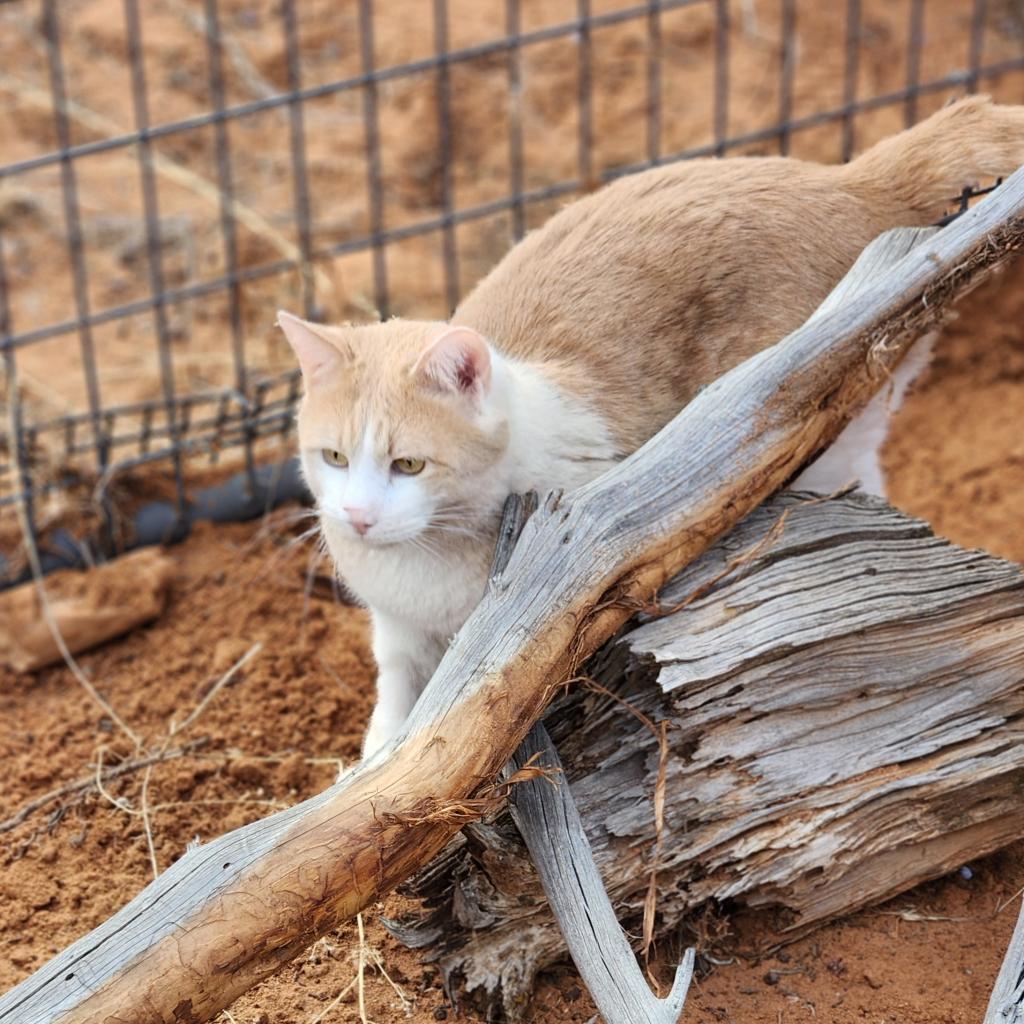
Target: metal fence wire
[353, 160]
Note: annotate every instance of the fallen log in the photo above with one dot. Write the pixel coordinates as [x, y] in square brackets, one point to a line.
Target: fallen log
[230, 913]
[845, 719]
[88, 607]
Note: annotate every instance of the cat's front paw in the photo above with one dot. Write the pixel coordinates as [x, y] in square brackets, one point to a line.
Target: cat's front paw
[383, 728]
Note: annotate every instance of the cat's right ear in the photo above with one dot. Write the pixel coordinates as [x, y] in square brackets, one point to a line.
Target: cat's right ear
[316, 351]
[457, 361]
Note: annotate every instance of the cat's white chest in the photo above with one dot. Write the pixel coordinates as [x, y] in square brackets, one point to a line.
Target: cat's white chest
[432, 594]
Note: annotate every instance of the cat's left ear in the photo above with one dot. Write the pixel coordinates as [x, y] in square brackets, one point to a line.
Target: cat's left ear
[456, 360]
[316, 350]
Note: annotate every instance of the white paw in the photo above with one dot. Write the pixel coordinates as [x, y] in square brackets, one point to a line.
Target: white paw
[383, 728]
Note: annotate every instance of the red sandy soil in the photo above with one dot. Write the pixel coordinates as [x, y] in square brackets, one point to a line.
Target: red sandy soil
[295, 713]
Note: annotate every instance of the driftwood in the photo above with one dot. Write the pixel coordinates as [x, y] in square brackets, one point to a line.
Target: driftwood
[549, 823]
[88, 607]
[230, 913]
[1007, 1003]
[845, 709]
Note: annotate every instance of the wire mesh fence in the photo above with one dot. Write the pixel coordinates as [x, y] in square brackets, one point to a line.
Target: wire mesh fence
[176, 171]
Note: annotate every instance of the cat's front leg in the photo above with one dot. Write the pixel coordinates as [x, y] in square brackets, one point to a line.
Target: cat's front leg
[406, 659]
[396, 695]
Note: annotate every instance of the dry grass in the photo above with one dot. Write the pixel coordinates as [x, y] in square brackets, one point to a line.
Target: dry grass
[95, 781]
[365, 957]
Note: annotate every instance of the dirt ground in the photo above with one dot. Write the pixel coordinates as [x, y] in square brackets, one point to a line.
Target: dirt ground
[295, 713]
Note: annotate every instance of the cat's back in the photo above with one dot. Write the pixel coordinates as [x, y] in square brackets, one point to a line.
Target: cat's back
[650, 288]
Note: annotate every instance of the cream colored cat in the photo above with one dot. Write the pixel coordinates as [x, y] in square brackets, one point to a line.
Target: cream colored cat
[584, 341]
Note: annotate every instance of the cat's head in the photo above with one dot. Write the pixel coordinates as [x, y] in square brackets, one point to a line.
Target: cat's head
[400, 427]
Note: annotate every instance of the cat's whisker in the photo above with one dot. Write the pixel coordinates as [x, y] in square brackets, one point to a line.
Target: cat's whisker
[466, 523]
[305, 535]
[456, 531]
[463, 511]
[461, 514]
[277, 521]
[316, 556]
[477, 524]
[274, 559]
[422, 542]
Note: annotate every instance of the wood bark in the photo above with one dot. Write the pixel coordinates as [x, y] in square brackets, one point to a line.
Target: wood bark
[845, 719]
[228, 914]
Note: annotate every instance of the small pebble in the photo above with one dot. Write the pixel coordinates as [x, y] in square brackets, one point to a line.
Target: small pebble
[441, 1013]
[771, 978]
[966, 873]
[836, 967]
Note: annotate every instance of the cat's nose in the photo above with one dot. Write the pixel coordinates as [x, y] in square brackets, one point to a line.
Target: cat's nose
[360, 519]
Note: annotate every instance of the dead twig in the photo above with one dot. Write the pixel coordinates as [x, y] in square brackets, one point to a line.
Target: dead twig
[249, 74]
[117, 802]
[1005, 903]
[174, 730]
[214, 690]
[660, 733]
[36, 569]
[334, 1002]
[147, 826]
[361, 971]
[89, 782]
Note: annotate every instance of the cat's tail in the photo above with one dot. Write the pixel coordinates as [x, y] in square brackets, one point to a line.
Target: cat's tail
[923, 169]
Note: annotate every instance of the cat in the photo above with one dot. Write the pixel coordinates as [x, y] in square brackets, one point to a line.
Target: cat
[585, 340]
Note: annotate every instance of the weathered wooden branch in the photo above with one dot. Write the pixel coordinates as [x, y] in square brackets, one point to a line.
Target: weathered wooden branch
[550, 825]
[845, 710]
[1006, 1005]
[230, 913]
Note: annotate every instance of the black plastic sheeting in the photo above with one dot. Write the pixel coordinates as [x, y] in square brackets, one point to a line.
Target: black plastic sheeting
[239, 499]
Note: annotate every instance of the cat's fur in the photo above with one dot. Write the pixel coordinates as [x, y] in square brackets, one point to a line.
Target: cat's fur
[584, 341]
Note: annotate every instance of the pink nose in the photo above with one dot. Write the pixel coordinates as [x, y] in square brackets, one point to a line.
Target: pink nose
[360, 519]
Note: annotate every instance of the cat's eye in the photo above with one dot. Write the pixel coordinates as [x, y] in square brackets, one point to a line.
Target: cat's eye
[408, 467]
[333, 458]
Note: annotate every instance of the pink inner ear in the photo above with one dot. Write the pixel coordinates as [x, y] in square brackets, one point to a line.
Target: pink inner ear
[466, 373]
[458, 359]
